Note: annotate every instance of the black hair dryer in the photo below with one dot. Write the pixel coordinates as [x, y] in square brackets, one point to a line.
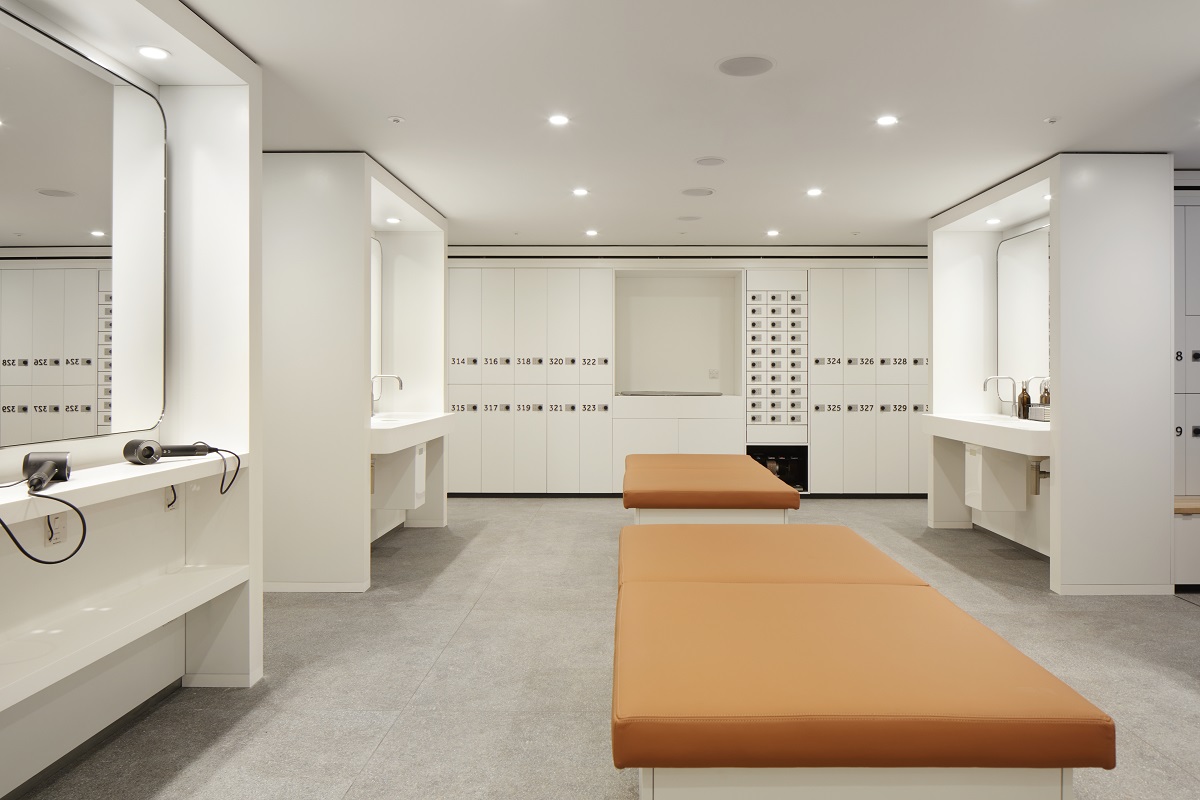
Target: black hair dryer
[148, 451]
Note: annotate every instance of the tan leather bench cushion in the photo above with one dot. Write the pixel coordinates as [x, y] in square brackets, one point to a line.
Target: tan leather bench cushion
[755, 554]
[820, 675]
[703, 481]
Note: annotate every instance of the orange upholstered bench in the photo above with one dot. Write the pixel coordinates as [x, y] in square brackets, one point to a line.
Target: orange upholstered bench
[737, 677]
[705, 488]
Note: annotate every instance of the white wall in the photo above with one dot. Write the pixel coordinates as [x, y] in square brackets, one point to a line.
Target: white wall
[962, 280]
[414, 316]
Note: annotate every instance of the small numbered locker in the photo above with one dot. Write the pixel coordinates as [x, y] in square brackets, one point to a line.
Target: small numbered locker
[595, 439]
[80, 343]
[16, 327]
[562, 439]
[1181, 357]
[918, 439]
[918, 326]
[46, 405]
[529, 342]
[79, 411]
[1191, 432]
[496, 439]
[529, 449]
[825, 334]
[1191, 355]
[48, 300]
[464, 323]
[891, 326]
[858, 326]
[562, 326]
[825, 437]
[891, 438]
[16, 415]
[1181, 444]
[496, 325]
[858, 469]
[463, 448]
[595, 326]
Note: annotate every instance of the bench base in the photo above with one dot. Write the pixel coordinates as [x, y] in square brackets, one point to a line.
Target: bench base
[904, 783]
[710, 516]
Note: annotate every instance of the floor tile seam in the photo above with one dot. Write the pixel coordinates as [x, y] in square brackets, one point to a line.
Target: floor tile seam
[1184, 768]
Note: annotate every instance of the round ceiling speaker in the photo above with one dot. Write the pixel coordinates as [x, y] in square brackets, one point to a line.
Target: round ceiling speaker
[745, 66]
[699, 191]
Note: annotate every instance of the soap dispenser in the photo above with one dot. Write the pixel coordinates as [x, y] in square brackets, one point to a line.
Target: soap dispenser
[1023, 401]
[1045, 399]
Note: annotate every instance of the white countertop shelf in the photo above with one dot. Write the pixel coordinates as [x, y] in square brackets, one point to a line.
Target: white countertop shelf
[36, 659]
[393, 431]
[93, 485]
[997, 431]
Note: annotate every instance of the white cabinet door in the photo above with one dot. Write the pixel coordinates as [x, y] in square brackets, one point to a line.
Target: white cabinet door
[891, 326]
[1191, 432]
[826, 436]
[562, 326]
[46, 405]
[16, 415]
[1192, 260]
[633, 436]
[80, 330]
[858, 325]
[712, 436]
[859, 467]
[918, 440]
[596, 326]
[496, 439]
[48, 300]
[463, 324]
[918, 326]
[529, 452]
[496, 325]
[891, 439]
[1181, 298]
[562, 439]
[595, 439]
[16, 328]
[529, 346]
[825, 326]
[463, 447]
[79, 410]
[1182, 432]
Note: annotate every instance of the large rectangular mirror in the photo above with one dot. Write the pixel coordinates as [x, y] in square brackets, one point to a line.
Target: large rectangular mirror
[1023, 306]
[82, 245]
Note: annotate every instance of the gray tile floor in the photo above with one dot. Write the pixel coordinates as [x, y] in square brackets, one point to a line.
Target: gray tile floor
[479, 666]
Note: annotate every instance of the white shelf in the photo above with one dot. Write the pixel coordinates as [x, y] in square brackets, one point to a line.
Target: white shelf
[109, 482]
[40, 657]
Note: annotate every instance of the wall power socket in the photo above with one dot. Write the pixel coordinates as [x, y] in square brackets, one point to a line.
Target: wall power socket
[56, 527]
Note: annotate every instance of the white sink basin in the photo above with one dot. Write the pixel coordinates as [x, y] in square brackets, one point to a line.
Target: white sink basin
[392, 431]
[1000, 432]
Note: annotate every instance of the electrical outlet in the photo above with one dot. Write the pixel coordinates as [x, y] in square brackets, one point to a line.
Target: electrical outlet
[56, 526]
[714, 373]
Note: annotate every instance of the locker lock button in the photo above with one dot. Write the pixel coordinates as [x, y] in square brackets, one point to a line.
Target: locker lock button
[604, 361]
[538, 407]
[507, 361]
[571, 361]
[540, 361]
[604, 407]
[506, 407]
[1196, 355]
[474, 407]
[1196, 431]
[474, 360]
[570, 407]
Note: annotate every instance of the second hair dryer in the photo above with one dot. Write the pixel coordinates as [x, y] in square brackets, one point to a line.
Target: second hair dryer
[148, 451]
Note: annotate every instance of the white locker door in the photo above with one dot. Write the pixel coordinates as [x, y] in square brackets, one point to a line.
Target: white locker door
[891, 439]
[529, 446]
[596, 326]
[79, 411]
[562, 326]
[1191, 432]
[529, 339]
[562, 439]
[825, 435]
[858, 322]
[1180, 297]
[825, 327]
[859, 466]
[46, 405]
[48, 303]
[918, 326]
[891, 326]
[464, 449]
[918, 440]
[496, 439]
[79, 330]
[1191, 355]
[595, 439]
[16, 415]
[496, 325]
[16, 328]
[1191, 257]
[464, 325]
[1180, 444]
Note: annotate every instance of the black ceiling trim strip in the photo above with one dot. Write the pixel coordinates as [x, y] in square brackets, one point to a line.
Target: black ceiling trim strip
[702, 258]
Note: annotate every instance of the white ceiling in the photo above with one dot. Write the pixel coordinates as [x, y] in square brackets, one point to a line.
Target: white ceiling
[971, 82]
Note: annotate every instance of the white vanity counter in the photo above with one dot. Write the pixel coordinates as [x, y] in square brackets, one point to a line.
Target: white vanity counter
[997, 431]
[392, 431]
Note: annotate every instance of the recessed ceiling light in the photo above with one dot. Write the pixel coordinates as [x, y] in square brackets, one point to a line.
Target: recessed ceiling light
[710, 161]
[1050, 120]
[56, 193]
[687, 219]
[156, 53]
[97, 233]
[392, 220]
[886, 120]
[396, 120]
[1046, 196]
[814, 192]
[580, 192]
[559, 119]
[993, 221]
[772, 233]
[745, 66]
[590, 233]
[699, 191]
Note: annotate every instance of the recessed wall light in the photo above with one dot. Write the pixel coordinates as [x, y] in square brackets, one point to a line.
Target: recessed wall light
[590, 233]
[772, 233]
[97, 233]
[886, 120]
[559, 119]
[1046, 196]
[993, 221]
[392, 220]
[156, 53]
[580, 192]
[814, 192]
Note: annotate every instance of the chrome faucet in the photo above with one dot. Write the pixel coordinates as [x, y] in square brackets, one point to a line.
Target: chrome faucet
[997, 379]
[376, 397]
